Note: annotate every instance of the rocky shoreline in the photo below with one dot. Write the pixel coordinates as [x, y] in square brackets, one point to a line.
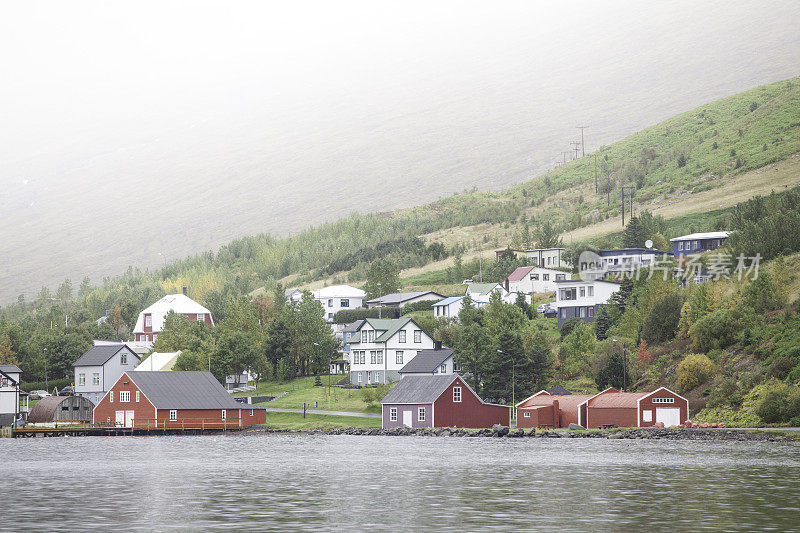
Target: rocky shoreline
[506, 432]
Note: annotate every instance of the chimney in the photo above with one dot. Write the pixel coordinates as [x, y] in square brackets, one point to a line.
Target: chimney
[185, 290]
[437, 345]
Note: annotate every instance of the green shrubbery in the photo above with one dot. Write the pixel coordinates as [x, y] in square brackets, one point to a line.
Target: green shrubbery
[345, 316]
[661, 323]
[417, 306]
[781, 403]
[719, 329]
[694, 370]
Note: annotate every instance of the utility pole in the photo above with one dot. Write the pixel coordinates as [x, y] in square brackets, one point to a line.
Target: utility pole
[623, 207]
[630, 200]
[575, 149]
[583, 149]
[595, 172]
[565, 157]
[608, 187]
[379, 300]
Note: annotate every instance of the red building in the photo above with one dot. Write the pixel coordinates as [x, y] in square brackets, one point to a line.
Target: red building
[173, 400]
[439, 401]
[608, 408]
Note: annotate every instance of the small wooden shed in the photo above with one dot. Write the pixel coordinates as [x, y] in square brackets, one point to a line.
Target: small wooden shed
[61, 409]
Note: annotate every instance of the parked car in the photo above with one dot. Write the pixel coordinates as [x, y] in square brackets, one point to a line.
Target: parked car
[38, 394]
[550, 313]
[541, 308]
[67, 391]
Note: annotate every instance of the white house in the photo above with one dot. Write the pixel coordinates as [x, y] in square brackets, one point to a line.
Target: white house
[151, 321]
[379, 348]
[399, 299]
[448, 308]
[581, 298]
[699, 242]
[10, 381]
[333, 298]
[158, 361]
[481, 292]
[543, 257]
[99, 368]
[431, 363]
[533, 279]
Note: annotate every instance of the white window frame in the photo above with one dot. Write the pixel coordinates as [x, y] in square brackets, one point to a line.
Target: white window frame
[81, 379]
[148, 321]
[545, 277]
[398, 357]
[443, 368]
[380, 357]
[224, 414]
[345, 302]
[417, 335]
[401, 336]
[420, 414]
[137, 396]
[96, 378]
[330, 302]
[173, 414]
[125, 396]
[663, 400]
[111, 396]
[591, 291]
[123, 358]
[647, 415]
[393, 414]
[456, 394]
[201, 317]
[526, 414]
[359, 377]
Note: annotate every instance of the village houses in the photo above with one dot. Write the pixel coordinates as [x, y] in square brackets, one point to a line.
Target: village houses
[100, 367]
[580, 298]
[151, 321]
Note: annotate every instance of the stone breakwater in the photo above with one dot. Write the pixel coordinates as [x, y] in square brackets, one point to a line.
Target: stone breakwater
[519, 433]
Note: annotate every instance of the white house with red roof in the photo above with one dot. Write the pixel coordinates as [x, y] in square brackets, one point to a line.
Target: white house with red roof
[535, 279]
[151, 321]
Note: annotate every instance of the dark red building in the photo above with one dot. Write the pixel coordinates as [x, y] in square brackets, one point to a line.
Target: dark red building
[439, 401]
[173, 399]
[608, 408]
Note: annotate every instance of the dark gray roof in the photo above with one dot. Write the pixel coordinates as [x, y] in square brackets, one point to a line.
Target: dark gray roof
[184, 390]
[98, 355]
[10, 369]
[400, 297]
[419, 389]
[558, 390]
[352, 326]
[427, 361]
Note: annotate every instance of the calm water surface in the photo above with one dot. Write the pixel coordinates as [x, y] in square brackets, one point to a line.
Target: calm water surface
[322, 483]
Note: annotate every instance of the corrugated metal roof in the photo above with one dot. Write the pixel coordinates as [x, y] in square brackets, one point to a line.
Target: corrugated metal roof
[400, 297]
[352, 326]
[98, 355]
[183, 390]
[427, 361]
[617, 399]
[45, 409]
[565, 403]
[519, 274]
[706, 235]
[389, 326]
[10, 369]
[448, 301]
[419, 389]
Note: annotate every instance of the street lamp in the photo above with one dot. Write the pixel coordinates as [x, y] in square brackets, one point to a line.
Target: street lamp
[513, 377]
[45, 368]
[624, 364]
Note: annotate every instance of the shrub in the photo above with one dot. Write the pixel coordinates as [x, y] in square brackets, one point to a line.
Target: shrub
[286, 369]
[718, 329]
[569, 325]
[694, 370]
[51, 383]
[345, 316]
[661, 323]
[779, 405]
[762, 294]
[417, 306]
[681, 160]
[781, 367]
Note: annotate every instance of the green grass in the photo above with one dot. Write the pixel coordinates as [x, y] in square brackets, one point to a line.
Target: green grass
[302, 390]
[295, 421]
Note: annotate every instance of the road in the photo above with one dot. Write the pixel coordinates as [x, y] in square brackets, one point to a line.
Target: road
[320, 412]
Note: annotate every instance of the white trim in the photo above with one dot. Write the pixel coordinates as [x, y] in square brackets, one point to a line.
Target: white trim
[532, 396]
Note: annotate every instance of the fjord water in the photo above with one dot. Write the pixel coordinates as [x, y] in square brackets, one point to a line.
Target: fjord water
[321, 483]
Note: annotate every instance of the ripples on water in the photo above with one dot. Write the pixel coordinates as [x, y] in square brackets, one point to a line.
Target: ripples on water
[281, 482]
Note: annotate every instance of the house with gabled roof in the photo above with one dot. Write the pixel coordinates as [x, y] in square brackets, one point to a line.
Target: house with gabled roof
[100, 367]
[609, 408]
[399, 299]
[439, 401]
[431, 362]
[698, 242]
[151, 320]
[534, 279]
[379, 348]
[177, 399]
[448, 308]
[10, 383]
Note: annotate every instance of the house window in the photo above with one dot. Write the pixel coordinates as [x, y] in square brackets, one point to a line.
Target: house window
[373, 355]
[81, 379]
[421, 414]
[583, 292]
[345, 302]
[251, 412]
[96, 378]
[456, 368]
[398, 358]
[401, 336]
[568, 294]
[696, 245]
[359, 377]
[545, 277]
[680, 245]
[563, 313]
[417, 335]
[173, 414]
[456, 394]
[369, 376]
[224, 414]
[583, 312]
[663, 400]
[380, 357]
[526, 414]
[393, 414]
[330, 315]
[591, 312]
[561, 277]
[534, 277]
[125, 396]
[330, 302]
[148, 321]
[201, 317]
[443, 368]
[371, 335]
[591, 291]
[137, 396]
[111, 397]
[647, 415]
[123, 358]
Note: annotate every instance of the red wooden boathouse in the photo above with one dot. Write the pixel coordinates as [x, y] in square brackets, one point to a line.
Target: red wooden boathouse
[175, 399]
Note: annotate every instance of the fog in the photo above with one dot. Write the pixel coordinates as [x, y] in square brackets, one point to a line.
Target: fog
[137, 133]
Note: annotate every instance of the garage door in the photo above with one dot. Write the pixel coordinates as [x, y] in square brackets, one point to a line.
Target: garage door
[671, 416]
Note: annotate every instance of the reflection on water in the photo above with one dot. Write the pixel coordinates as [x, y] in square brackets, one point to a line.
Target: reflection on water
[278, 482]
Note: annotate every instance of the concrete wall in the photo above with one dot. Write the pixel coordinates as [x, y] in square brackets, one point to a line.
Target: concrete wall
[414, 409]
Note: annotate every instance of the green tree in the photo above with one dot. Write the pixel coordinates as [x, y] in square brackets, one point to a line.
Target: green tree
[613, 374]
[547, 236]
[762, 294]
[500, 366]
[576, 349]
[471, 347]
[383, 277]
[661, 323]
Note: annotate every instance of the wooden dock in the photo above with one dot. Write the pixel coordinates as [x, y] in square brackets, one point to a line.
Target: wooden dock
[89, 431]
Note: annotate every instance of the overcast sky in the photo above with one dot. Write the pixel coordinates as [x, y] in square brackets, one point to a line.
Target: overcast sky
[131, 132]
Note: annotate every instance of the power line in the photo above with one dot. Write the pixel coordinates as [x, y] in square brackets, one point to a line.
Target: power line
[575, 144]
[583, 149]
